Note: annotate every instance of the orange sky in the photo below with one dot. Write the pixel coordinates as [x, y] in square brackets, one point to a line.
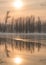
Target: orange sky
[30, 7]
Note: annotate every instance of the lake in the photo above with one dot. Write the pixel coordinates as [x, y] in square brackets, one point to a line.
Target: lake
[23, 49]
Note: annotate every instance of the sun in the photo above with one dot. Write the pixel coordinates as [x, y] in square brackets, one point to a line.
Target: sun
[18, 4]
[17, 60]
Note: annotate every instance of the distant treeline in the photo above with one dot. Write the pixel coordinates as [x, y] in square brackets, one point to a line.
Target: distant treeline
[23, 25]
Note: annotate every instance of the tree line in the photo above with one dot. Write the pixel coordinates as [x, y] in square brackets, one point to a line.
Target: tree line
[23, 25]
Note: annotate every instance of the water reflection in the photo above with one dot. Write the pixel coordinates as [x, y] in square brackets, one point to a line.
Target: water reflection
[12, 45]
[31, 52]
[17, 60]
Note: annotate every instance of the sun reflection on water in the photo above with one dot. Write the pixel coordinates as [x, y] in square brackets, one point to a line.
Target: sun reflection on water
[17, 60]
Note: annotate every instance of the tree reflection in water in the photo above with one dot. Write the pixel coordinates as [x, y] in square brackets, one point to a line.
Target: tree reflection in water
[20, 45]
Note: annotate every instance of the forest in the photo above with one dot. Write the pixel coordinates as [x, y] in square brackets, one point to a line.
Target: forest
[23, 25]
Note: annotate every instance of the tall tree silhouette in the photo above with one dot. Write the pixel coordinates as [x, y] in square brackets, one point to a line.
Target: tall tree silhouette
[7, 16]
[39, 25]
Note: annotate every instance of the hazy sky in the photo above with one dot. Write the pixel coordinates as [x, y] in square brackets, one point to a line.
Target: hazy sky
[30, 7]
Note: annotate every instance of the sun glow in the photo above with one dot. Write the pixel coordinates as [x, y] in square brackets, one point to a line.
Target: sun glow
[17, 60]
[18, 4]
